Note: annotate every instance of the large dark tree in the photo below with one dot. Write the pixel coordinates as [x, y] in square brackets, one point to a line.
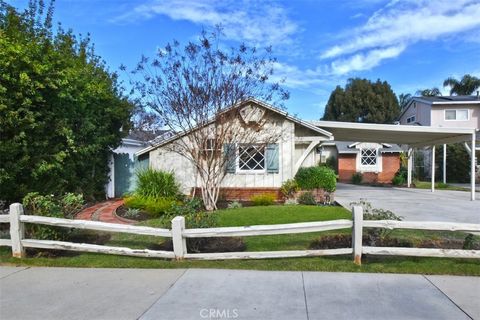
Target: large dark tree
[466, 86]
[61, 110]
[363, 101]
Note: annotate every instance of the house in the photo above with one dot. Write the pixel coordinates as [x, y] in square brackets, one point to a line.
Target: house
[377, 162]
[123, 163]
[442, 112]
[445, 112]
[262, 168]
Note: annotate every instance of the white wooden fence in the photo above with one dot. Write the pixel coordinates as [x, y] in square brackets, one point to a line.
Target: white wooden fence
[179, 235]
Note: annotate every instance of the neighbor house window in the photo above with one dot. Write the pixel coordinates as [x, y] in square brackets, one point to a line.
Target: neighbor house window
[251, 158]
[368, 157]
[456, 114]
[411, 119]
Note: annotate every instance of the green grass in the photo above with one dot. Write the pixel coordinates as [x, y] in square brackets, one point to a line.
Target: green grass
[268, 215]
[438, 185]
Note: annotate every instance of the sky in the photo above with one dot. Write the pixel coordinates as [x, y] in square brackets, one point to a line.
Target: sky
[319, 44]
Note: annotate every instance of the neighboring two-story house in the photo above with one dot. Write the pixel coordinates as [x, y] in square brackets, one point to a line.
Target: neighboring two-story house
[444, 112]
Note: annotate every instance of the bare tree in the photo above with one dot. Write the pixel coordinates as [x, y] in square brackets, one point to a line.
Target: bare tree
[196, 90]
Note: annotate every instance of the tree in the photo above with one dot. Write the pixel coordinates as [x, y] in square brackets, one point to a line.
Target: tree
[466, 86]
[433, 92]
[403, 99]
[362, 101]
[193, 89]
[61, 110]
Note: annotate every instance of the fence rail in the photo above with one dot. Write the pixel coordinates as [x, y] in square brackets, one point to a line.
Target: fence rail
[180, 234]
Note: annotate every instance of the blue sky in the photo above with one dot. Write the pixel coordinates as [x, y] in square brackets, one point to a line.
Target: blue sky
[319, 43]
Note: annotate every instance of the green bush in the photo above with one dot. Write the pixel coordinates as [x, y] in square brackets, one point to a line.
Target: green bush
[289, 188]
[263, 199]
[400, 176]
[155, 207]
[155, 184]
[50, 206]
[234, 205]
[357, 178]
[316, 178]
[307, 198]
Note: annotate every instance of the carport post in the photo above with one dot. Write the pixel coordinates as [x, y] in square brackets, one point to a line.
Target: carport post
[433, 168]
[472, 168]
[409, 166]
[444, 163]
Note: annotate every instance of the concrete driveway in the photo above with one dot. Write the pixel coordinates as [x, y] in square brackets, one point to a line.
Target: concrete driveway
[414, 204]
[71, 293]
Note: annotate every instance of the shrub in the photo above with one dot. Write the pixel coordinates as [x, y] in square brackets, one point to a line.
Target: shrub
[400, 176]
[155, 207]
[357, 178]
[291, 202]
[307, 198]
[316, 178]
[265, 199]
[132, 213]
[71, 203]
[370, 213]
[289, 188]
[49, 206]
[234, 205]
[156, 184]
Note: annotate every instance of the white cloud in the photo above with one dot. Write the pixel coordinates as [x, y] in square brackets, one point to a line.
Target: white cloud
[390, 30]
[365, 61]
[265, 23]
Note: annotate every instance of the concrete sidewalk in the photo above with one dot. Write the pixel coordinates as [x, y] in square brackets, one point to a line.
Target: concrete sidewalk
[69, 293]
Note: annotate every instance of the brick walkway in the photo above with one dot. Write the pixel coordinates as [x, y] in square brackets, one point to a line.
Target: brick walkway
[104, 212]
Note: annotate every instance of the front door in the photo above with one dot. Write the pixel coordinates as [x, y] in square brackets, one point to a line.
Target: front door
[122, 171]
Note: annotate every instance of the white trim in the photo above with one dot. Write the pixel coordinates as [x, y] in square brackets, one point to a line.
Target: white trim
[378, 167]
[237, 160]
[456, 110]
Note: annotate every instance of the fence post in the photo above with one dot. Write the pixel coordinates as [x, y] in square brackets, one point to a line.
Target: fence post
[357, 234]
[179, 242]
[17, 230]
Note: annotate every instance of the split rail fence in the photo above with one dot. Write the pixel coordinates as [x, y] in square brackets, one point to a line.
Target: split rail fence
[180, 234]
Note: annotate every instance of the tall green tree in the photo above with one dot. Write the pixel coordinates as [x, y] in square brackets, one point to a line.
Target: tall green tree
[362, 101]
[433, 92]
[61, 110]
[465, 86]
[403, 99]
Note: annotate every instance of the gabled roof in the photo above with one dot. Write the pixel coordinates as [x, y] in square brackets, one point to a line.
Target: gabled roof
[267, 106]
[442, 100]
[349, 147]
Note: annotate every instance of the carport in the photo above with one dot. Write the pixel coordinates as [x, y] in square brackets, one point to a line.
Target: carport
[408, 136]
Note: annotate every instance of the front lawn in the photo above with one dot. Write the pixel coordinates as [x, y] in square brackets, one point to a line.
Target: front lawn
[268, 215]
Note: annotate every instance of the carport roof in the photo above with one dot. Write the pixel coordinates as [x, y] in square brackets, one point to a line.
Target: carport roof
[417, 136]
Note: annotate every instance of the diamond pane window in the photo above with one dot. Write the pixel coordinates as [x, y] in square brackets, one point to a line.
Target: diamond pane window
[251, 157]
[369, 157]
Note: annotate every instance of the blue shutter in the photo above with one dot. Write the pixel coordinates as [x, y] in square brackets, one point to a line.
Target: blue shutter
[271, 156]
[229, 154]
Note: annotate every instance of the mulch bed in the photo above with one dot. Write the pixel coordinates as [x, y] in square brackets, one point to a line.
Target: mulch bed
[206, 245]
[345, 241]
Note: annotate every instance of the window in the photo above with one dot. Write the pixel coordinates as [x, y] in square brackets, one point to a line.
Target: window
[251, 158]
[210, 145]
[411, 119]
[369, 157]
[456, 114]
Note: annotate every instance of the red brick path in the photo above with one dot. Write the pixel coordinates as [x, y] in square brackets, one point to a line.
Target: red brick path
[104, 212]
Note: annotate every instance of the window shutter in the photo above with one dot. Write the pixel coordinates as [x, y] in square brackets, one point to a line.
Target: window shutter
[272, 158]
[229, 154]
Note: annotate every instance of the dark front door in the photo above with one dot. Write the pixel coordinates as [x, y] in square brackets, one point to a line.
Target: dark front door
[123, 171]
